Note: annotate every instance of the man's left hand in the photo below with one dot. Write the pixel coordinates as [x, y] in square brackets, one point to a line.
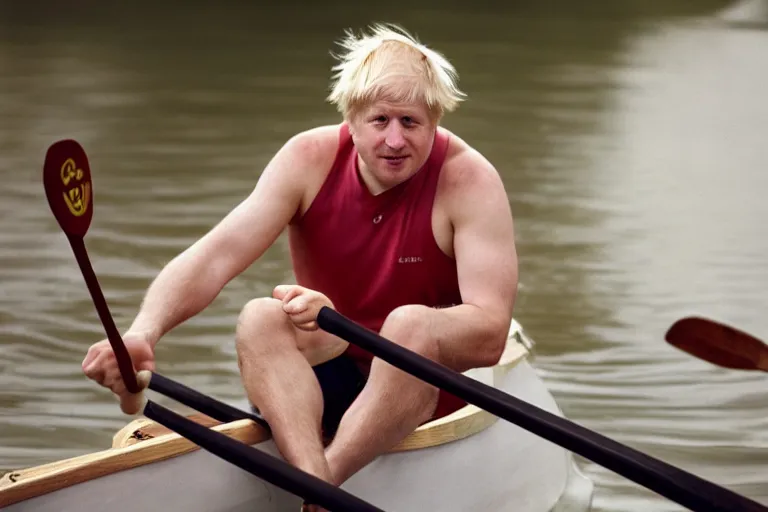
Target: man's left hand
[301, 304]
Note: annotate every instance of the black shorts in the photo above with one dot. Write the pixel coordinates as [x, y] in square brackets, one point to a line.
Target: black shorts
[340, 381]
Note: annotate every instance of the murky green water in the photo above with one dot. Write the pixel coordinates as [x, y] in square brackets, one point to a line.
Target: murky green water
[631, 137]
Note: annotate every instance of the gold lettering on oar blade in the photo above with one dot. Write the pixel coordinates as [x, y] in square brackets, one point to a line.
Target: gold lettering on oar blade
[79, 194]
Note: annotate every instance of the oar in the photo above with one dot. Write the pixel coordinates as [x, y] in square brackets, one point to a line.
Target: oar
[679, 486]
[67, 180]
[718, 344]
[68, 187]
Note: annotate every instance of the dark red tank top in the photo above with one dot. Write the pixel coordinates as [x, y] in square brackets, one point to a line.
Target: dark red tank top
[370, 254]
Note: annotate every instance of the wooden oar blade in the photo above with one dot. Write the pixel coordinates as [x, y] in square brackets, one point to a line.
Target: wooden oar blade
[67, 181]
[718, 344]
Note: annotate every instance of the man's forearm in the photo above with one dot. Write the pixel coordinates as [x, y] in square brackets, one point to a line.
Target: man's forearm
[185, 287]
[467, 336]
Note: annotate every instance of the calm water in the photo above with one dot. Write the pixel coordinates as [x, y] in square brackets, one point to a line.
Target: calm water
[631, 138]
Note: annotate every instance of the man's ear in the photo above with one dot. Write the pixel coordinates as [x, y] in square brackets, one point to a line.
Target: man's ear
[350, 118]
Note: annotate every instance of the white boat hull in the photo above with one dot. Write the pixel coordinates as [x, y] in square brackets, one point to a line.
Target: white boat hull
[500, 467]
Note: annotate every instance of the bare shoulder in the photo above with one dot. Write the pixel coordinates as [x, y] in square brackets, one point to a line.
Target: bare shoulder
[467, 173]
[304, 161]
[314, 146]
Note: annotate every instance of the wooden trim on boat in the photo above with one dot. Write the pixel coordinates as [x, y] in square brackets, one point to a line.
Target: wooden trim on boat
[143, 429]
[466, 421]
[23, 484]
[143, 442]
[514, 352]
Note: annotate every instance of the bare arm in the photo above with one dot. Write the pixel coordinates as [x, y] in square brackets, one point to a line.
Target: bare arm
[474, 333]
[193, 279]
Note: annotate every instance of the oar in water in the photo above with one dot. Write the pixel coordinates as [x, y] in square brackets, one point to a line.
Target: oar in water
[675, 484]
[718, 344]
[68, 186]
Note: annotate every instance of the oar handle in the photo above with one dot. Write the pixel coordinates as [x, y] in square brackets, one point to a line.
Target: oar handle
[113, 335]
[684, 488]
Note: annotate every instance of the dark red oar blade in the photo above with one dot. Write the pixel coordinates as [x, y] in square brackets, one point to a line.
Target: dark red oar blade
[718, 344]
[68, 187]
[67, 181]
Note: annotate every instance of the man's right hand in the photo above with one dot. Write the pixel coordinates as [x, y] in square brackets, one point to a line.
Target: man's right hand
[100, 365]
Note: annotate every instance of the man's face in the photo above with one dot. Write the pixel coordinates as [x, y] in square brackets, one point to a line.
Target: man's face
[393, 141]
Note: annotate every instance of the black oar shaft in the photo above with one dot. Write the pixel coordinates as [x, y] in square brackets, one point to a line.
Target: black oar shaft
[203, 403]
[113, 335]
[260, 464]
[679, 486]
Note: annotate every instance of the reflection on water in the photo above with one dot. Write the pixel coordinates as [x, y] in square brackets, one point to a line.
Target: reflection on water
[629, 135]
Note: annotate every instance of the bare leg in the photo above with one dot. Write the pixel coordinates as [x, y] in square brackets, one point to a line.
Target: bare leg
[279, 380]
[392, 404]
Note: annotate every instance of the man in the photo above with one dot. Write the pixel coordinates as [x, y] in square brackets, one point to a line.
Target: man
[393, 221]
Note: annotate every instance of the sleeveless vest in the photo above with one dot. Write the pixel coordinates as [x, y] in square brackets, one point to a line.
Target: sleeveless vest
[370, 254]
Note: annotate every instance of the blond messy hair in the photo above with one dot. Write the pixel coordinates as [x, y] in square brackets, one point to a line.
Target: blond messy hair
[390, 64]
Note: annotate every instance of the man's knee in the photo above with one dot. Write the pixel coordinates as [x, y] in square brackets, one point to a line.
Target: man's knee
[408, 327]
[263, 326]
[258, 317]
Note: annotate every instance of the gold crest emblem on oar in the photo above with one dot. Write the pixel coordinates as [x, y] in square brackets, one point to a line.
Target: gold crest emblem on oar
[77, 191]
